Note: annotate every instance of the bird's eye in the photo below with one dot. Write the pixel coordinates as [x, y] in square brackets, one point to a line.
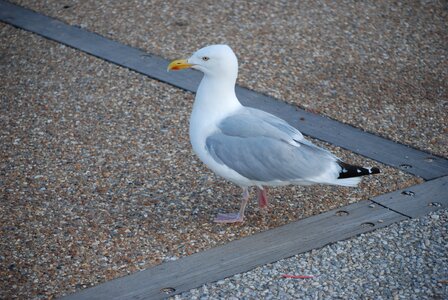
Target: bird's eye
[205, 58]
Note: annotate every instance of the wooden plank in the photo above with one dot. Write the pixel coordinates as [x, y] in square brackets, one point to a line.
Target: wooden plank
[245, 254]
[388, 152]
[419, 199]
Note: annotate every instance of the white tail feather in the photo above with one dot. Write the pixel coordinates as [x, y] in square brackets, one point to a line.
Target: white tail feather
[353, 181]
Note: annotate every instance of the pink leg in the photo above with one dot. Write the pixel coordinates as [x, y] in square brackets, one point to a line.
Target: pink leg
[235, 217]
[262, 197]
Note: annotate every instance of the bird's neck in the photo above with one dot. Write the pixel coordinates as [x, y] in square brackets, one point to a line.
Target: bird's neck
[216, 97]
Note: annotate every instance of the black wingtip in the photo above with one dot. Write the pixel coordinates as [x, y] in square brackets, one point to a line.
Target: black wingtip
[375, 170]
[348, 171]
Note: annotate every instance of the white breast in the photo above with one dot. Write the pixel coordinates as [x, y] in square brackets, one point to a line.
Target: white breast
[208, 111]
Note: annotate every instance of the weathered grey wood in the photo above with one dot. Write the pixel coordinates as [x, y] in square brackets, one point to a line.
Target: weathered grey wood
[419, 199]
[245, 254]
[410, 160]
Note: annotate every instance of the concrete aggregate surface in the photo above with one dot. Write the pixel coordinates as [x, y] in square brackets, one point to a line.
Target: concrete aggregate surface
[378, 65]
[98, 180]
[97, 176]
[408, 260]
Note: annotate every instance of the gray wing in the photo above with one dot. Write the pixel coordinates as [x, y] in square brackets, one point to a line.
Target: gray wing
[250, 122]
[262, 147]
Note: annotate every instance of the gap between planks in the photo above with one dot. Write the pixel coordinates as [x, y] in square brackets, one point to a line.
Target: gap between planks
[369, 145]
[282, 242]
[417, 200]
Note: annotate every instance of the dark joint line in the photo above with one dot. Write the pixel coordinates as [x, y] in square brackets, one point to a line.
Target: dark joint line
[391, 209]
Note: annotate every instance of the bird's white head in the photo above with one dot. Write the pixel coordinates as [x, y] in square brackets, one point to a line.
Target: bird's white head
[214, 61]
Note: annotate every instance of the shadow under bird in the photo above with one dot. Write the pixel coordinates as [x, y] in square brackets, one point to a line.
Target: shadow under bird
[250, 147]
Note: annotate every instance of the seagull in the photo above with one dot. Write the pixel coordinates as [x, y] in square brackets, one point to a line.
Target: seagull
[248, 146]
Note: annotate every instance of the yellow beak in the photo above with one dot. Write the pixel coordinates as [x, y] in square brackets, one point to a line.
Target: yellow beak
[179, 64]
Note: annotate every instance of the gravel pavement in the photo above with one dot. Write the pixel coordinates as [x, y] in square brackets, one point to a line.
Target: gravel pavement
[97, 176]
[98, 179]
[377, 65]
[407, 260]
